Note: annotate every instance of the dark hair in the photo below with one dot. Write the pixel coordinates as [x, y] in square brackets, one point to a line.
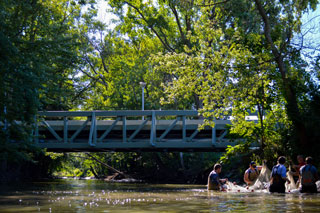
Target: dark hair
[217, 166]
[309, 160]
[281, 159]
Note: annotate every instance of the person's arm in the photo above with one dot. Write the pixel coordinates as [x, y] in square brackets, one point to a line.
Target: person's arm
[296, 170]
[299, 181]
[300, 176]
[223, 180]
[216, 180]
[316, 177]
[286, 179]
[284, 175]
[295, 166]
[246, 178]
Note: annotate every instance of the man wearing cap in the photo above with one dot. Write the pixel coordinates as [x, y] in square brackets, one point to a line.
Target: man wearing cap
[252, 173]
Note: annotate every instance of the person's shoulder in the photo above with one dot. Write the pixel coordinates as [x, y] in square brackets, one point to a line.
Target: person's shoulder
[282, 166]
[302, 167]
[214, 175]
[213, 172]
[274, 168]
[314, 168]
[282, 169]
[247, 171]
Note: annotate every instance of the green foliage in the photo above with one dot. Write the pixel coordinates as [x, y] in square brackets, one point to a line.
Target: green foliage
[38, 58]
[39, 55]
[233, 72]
[155, 167]
[114, 69]
[228, 60]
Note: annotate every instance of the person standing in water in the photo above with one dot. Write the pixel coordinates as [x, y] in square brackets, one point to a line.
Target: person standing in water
[252, 173]
[279, 177]
[296, 174]
[301, 163]
[214, 181]
[308, 177]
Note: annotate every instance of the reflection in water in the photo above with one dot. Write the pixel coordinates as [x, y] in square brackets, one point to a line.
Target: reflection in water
[98, 196]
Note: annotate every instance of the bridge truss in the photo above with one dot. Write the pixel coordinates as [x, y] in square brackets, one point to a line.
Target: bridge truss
[64, 131]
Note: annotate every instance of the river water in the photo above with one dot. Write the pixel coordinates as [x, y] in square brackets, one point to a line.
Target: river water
[69, 195]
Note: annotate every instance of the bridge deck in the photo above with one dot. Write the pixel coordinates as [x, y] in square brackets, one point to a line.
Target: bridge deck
[114, 131]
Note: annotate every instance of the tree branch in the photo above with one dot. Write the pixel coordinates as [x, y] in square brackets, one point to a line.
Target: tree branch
[267, 33]
[94, 78]
[175, 13]
[100, 54]
[213, 4]
[165, 44]
[106, 165]
[83, 90]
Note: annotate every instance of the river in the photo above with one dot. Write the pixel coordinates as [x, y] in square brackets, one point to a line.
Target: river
[69, 195]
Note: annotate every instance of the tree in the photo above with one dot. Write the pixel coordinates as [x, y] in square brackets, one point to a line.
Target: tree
[170, 22]
[245, 64]
[38, 56]
[114, 67]
[278, 33]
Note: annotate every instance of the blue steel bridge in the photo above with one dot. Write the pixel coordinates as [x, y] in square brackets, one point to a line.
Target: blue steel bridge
[133, 130]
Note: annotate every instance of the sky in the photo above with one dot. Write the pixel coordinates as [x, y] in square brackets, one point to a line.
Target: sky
[311, 28]
[105, 16]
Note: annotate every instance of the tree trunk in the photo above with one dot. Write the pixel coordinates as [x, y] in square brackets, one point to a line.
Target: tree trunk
[289, 92]
[109, 167]
[94, 172]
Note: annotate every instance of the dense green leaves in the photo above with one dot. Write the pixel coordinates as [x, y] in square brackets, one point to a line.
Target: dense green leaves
[243, 65]
[228, 59]
[39, 54]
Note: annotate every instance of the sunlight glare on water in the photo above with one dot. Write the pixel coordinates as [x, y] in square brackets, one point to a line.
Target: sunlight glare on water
[98, 196]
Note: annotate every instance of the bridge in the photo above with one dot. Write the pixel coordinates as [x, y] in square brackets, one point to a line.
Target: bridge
[134, 130]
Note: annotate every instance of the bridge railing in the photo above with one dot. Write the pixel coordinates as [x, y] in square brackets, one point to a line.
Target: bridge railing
[111, 127]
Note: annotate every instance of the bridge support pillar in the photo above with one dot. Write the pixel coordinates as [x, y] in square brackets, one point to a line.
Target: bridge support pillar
[184, 129]
[65, 129]
[153, 134]
[92, 129]
[124, 129]
[214, 136]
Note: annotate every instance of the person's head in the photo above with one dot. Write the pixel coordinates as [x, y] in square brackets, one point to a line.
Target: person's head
[252, 165]
[300, 159]
[281, 160]
[217, 168]
[309, 160]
